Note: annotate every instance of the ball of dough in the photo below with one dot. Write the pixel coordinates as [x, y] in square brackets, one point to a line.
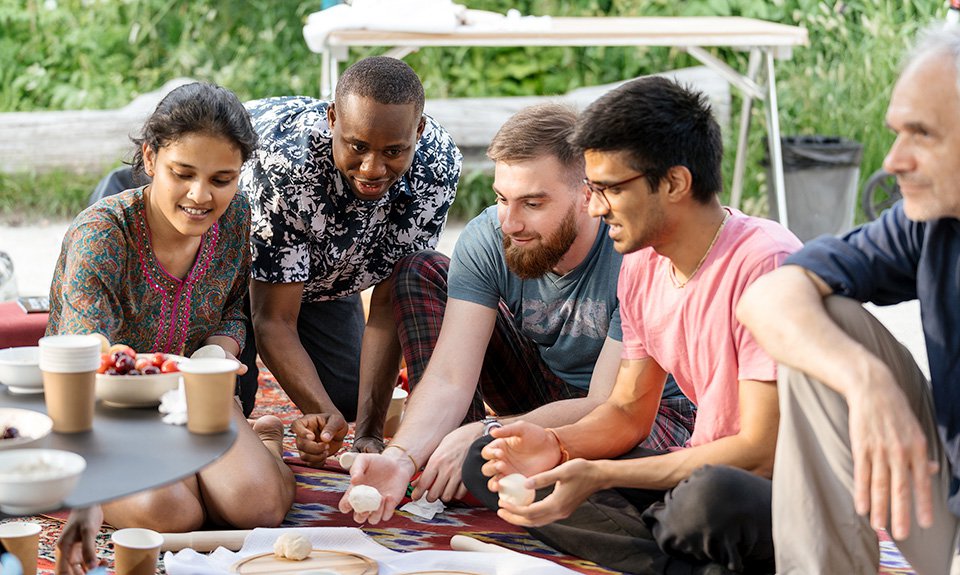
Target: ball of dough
[292, 546]
[104, 342]
[364, 498]
[347, 458]
[512, 491]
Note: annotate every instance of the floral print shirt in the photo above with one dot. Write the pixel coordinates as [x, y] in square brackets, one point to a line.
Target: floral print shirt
[109, 281]
[307, 225]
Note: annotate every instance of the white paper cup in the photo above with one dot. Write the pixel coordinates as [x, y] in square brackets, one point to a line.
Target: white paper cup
[22, 539]
[395, 412]
[209, 384]
[136, 551]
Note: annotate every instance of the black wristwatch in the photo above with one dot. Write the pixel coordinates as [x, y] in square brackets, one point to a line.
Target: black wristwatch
[489, 424]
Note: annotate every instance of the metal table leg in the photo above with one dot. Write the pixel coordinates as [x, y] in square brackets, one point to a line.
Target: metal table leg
[740, 161]
[773, 141]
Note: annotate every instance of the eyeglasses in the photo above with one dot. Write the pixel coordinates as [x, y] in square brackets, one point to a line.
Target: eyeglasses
[601, 189]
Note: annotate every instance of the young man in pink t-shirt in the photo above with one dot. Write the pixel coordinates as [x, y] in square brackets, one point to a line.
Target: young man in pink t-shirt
[653, 154]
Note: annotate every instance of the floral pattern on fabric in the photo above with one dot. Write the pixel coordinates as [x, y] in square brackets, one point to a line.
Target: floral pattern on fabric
[108, 280]
[307, 225]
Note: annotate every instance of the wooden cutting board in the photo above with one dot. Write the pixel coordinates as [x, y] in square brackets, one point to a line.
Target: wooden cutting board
[339, 562]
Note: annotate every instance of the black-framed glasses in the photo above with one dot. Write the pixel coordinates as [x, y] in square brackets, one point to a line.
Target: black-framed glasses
[601, 189]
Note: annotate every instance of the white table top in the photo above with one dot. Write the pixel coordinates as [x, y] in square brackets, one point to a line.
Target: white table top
[599, 31]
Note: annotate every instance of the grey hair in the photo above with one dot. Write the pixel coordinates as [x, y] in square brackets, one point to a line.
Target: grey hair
[943, 38]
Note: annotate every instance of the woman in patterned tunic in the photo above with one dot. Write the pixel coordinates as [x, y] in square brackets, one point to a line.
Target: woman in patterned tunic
[164, 268]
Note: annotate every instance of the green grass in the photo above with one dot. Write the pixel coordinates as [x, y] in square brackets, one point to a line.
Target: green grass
[31, 197]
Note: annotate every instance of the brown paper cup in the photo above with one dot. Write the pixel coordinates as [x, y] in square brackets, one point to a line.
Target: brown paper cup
[394, 412]
[136, 551]
[209, 385]
[70, 398]
[22, 539]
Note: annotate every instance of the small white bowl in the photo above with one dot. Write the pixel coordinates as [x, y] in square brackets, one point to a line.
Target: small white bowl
[136, 390]
[31, 425]
[20, 369]
[36, 480]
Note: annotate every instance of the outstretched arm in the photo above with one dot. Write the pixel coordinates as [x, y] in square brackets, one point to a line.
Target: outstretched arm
[276, 308]
[379, 366]
[434, 409]
[612, 428]
[751, 448]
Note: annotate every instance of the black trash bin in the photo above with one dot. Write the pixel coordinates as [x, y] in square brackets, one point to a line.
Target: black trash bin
[820, 176]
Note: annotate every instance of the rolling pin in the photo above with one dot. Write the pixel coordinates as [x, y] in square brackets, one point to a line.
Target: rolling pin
[465, 543]
[204, 541]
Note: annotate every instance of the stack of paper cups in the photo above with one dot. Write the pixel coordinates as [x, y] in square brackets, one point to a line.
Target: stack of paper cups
[69, 364]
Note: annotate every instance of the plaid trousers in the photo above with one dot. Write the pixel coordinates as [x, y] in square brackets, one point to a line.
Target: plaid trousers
[513, 379]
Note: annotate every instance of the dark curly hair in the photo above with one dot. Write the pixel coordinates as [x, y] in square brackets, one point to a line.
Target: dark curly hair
[385, 80]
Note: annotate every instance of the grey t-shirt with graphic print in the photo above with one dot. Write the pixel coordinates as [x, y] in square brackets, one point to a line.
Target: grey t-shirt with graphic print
[568, 317]
[308, 226]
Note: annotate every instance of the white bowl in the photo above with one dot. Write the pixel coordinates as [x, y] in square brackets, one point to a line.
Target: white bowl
[20, 369]
[36, 480]
[32, 426]
[136, 390]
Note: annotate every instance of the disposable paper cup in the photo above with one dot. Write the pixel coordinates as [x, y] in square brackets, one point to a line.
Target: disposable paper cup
[21, 539]
[69, 364]
[70, 398]
[136, 551]
[394, 412]
[209, 384]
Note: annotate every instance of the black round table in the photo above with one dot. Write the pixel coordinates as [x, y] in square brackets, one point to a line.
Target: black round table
[128, 450]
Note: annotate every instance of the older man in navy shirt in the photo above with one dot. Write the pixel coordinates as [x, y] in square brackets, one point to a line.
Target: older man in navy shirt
[865, 441]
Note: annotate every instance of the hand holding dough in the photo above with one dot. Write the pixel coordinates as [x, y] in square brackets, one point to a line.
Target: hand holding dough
[292, 546]
[512, 491]
[364, 498]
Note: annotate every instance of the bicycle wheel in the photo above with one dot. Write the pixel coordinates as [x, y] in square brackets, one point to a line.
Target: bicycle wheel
[879, 193]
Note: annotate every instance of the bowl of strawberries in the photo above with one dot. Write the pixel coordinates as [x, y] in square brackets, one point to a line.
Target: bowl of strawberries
[130, 379]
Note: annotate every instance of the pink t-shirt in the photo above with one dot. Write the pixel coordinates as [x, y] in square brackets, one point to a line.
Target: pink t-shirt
[692, 332]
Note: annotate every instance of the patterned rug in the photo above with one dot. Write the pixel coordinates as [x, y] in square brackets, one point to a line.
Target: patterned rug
[319, 490]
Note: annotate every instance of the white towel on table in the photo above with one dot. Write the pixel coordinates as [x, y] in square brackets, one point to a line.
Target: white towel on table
[189, 562]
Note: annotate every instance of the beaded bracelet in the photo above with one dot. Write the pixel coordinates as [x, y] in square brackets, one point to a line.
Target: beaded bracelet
[564, 454]
[405, 452]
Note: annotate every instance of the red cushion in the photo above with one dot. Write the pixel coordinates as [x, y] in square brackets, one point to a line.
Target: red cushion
[18, 328]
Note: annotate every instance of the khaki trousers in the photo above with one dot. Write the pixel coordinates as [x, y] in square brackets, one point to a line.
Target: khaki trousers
[815, 527]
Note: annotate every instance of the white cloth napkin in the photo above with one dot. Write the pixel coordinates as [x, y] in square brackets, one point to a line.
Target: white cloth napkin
[423, 508]
[429, 16]
[173, 404]
[189, 562]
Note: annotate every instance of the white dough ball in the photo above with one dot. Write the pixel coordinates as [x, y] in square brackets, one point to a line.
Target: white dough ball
[292, 546]
[212, 350]
[347, 458]
[364, 498]
[512, 491]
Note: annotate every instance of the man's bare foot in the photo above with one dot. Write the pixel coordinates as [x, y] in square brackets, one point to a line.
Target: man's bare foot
[270, 430]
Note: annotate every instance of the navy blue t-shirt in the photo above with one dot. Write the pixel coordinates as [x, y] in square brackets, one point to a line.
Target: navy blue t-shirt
[892, 260]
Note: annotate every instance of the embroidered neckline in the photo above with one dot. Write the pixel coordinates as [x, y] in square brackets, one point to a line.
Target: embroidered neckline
[175, 293]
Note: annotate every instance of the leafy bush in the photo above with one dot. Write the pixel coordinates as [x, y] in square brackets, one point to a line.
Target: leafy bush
[67, 54]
